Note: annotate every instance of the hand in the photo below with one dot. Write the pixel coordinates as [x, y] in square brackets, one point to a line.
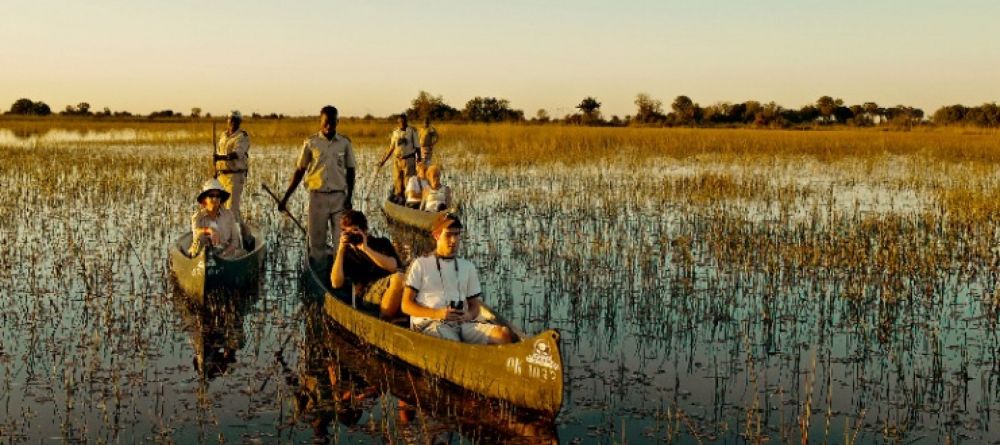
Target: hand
[213, 235]
[347, 204]
[452, 314]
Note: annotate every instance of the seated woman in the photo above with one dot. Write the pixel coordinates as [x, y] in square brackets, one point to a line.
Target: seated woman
[437, 197]
[415, 187]
[214, 226]
[370, 263]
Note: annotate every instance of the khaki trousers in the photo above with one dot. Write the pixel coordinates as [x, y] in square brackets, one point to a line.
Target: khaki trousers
[324, 214]
[402, 169]
[233, 183]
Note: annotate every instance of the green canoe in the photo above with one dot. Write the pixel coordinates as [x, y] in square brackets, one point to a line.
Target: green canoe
[205, 273]
[527, 373]
[328, 349]
[411, 217]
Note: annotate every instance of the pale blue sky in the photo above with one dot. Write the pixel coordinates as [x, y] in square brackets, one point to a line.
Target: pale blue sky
[374, 56]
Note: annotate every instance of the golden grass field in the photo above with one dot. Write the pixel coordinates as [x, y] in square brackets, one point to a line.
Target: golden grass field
[809, 272]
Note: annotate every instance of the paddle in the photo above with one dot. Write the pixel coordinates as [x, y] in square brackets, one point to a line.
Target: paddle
[364, 194]
[286, 212]
[215, 149]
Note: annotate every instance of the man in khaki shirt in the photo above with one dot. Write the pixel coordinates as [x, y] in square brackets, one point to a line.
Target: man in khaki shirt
[404, 147]
[231, 161]
[327, 163]
[428, 139]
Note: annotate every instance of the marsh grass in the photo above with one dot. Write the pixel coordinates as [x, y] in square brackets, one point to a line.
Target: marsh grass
[709, 284]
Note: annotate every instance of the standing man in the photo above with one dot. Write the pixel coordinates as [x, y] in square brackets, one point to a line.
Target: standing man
[232, 160]
[404, 146]
[428, 138]
[328, 165]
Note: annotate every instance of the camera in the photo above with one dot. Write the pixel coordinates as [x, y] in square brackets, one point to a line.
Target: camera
[355, 238]
[457, 305]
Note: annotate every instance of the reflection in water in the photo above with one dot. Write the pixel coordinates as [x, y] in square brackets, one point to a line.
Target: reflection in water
[215, 328]
[337, 380]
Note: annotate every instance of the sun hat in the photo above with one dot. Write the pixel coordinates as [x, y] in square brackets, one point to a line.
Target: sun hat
[210, 186]
[235, 114]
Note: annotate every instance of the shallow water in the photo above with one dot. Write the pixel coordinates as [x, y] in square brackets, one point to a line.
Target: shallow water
[725, 319]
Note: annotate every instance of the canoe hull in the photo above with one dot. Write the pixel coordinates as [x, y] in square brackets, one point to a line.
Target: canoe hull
[201, 275]
[418, 219]
[527, 374]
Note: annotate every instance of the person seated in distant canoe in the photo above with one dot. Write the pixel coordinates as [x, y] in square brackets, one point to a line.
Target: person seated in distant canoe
[370, 263]
[437, 197]
[415, 187]
[212, 225]
[443, 294]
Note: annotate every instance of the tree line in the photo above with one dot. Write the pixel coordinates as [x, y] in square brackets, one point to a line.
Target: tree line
[649, 111]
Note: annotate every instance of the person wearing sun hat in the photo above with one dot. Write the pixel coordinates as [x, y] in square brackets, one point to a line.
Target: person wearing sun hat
[232, 161]
[443, 294]
[213, 225]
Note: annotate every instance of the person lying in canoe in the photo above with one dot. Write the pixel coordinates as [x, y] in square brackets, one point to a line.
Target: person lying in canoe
[214, 226]
[415, 187]
[443, 294]
[437, 197]
[370, 263]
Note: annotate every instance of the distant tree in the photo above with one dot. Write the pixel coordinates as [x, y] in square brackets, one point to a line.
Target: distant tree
[648, 110]
[83, 109]
[872, 112]
[427, 105]
[590, 111]
[842, 114]
[686, 112]
[490, 109]
[22, 106]
[808, 114]
[41, 109]
[161, 113]
[542, 116]
[196, 112]
[826, 106]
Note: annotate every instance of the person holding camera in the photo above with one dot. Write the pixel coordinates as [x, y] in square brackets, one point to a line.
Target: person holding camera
[404, 147]
[443, 294]
[370, 263]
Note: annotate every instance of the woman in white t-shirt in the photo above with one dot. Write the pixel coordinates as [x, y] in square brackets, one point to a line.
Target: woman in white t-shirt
[415, 187]
[443, 294]
[437, 197]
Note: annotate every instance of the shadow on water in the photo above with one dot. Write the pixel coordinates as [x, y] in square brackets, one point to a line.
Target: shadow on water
[338, 380]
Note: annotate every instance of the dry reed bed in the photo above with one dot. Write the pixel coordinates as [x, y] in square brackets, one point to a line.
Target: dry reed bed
[766, 285]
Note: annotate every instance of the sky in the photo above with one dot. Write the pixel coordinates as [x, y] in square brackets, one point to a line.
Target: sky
[293, 57]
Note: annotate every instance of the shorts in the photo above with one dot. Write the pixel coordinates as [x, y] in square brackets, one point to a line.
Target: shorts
[468, 332]
[372, 292]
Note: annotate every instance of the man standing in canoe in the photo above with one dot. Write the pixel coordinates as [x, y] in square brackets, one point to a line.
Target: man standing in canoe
[404, 147]
[443, 294]
[327, 163]
[428, 139]
[231, 161]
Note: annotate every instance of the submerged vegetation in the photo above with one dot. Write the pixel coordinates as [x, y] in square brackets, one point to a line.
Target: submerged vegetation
[712, 286]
